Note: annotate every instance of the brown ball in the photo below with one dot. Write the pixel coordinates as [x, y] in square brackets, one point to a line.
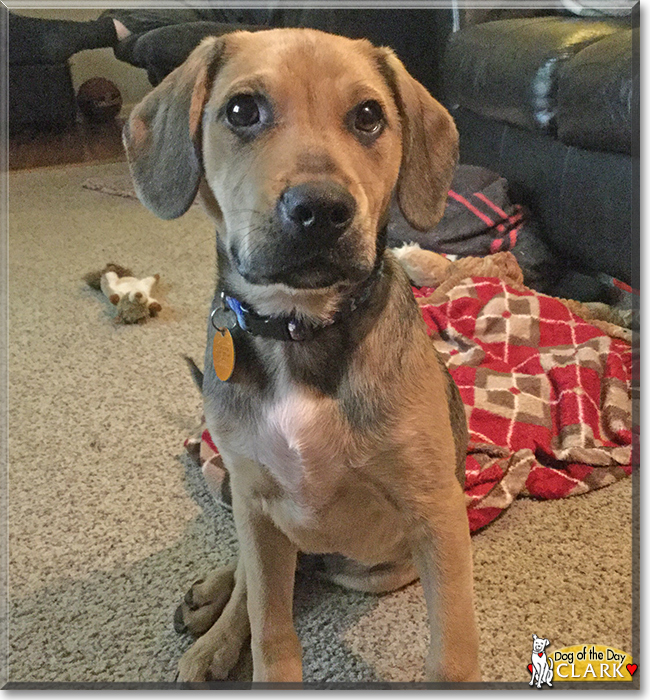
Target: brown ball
[99, 100]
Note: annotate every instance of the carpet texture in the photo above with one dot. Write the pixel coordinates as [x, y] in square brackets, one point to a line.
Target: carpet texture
[109, 521]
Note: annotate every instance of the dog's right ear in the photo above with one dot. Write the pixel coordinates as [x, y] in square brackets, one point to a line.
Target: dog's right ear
[162, 137]
[534, 636]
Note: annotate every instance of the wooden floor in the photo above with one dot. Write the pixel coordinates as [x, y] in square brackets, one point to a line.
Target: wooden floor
[81, 143]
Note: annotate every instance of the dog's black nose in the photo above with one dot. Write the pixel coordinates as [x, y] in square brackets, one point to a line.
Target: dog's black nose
[322, 209]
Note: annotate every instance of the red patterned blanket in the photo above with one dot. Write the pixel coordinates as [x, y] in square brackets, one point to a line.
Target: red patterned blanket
[547, 394]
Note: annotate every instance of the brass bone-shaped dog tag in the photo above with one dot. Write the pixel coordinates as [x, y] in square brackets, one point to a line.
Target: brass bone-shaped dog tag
[223, 354]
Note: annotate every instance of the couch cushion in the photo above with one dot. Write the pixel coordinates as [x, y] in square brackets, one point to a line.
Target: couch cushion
[582, 198]
[509, 70]
[596, 95]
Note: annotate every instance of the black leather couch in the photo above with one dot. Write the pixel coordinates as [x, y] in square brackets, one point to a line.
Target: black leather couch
[546, 101]
[550, 103]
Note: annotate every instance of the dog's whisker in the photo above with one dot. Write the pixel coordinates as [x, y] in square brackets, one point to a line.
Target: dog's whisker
[252, 245]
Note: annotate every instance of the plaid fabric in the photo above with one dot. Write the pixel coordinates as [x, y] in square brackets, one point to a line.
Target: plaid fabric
[501, 227]
[479, 218]
[547, 395]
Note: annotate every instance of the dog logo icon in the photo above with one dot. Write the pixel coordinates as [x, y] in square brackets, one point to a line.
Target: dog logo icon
[541, 667]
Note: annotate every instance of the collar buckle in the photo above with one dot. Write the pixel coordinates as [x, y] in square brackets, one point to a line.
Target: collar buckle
[299, 331]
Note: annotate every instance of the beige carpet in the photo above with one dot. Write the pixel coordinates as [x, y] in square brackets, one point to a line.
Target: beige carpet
[109, 524]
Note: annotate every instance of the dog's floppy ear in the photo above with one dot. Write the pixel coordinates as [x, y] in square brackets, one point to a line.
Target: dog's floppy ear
[429, 143]
[162, 137]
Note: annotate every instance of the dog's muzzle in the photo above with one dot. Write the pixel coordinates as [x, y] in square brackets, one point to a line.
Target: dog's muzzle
[306, 246]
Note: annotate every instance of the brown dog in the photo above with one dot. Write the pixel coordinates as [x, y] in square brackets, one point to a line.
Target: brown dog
[343, 434]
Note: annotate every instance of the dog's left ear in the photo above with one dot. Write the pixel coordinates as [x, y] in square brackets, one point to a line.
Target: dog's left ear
[429, 146]
[162, 137]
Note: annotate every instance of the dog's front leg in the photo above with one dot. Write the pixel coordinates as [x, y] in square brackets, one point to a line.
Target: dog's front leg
[442, 553]
[270, 562]
[215, 653]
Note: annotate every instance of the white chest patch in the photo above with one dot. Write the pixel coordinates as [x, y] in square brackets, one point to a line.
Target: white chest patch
[325, 502]
[288, 441]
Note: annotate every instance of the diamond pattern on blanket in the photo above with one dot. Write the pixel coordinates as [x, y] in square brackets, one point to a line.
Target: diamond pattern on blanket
[549, 404]
[547, 396]
[507, 318]
[519, 395]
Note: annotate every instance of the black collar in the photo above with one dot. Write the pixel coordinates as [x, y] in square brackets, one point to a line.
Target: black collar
[234, 312]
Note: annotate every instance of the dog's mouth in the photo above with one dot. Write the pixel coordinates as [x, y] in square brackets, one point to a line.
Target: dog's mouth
[312, 273]
[309, 270]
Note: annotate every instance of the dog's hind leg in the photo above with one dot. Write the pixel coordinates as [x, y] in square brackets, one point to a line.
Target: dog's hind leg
[217, 652]
[380, 578]
[205, 601]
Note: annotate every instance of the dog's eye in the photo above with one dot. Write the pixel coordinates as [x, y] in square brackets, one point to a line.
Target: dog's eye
[243, 111]
[369, 117]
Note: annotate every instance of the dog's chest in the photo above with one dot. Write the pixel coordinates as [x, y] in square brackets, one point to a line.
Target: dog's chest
[325, 501]
[291, 438]
[309, 471]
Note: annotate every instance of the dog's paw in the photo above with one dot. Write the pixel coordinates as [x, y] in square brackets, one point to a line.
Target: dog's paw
[204, 602]
[194, 665]
[201, 663]
[216, 609]
[220, 650]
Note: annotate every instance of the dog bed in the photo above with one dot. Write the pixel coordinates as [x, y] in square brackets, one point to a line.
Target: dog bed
[547, 389]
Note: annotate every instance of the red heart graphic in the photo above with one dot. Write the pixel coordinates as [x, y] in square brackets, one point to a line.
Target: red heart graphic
[632, 668]
[541, 653]
[530, 668]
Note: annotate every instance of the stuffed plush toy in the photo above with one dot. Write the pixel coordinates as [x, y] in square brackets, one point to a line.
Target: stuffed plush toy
[131, 296]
